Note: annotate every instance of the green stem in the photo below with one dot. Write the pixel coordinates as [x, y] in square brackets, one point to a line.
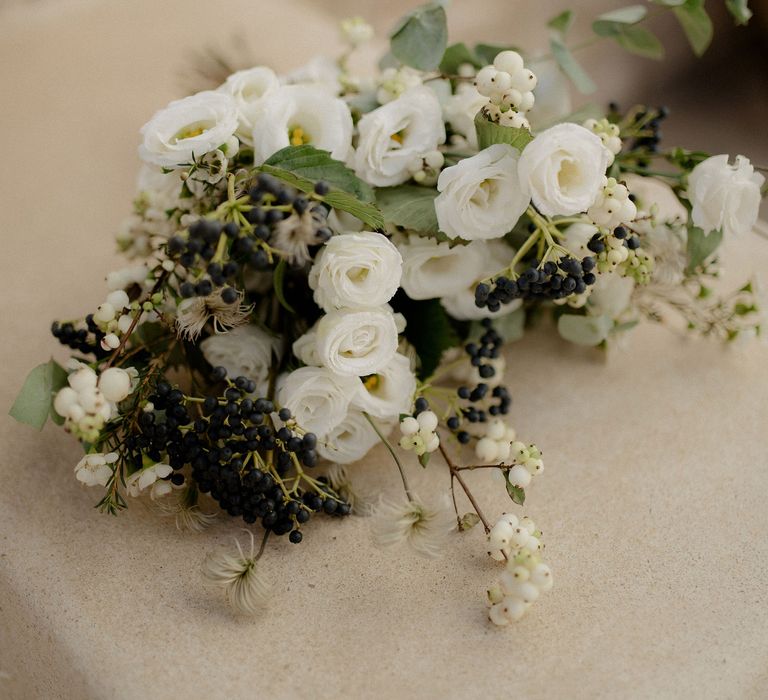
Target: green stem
[393, 453]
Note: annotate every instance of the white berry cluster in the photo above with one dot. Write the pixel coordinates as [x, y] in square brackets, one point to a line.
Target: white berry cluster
[525, 576]
[425, 170]
[608, 133]
[419, 433]
[90, 400]
[494, 445]
[116, 314]
[509, 86]
[528, 464]
[612, 207]
[393, 82]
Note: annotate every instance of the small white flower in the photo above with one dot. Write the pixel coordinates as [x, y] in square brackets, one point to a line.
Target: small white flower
[238, 575]
[357, 342]
[318, 399]
[389, 392]
[356, 269]
[298, 114]
[425, 526]
[192, 315]
[432, 269]
[563, 167]
[189, 128]
[725, 196]
[245, 351]
[95, 469]
[356, 30]
[481, 197]
[460, 109]
[149, 476]
[247, 88]
[350, 440]
[393, 135]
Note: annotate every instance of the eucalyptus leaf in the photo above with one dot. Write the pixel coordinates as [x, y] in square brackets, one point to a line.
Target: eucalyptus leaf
[739, 10]
[487, 52]
[584, 330]
[571, 67]
[701, 246]
[489, 133]
[420, 38]
[640, 41]
[457, 55]
[562, 23]
[696, 24]
[409, 206]
[34, 403]
[609, 23]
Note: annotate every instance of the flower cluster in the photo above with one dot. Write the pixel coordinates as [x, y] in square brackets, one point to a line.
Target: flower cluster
[318, 257]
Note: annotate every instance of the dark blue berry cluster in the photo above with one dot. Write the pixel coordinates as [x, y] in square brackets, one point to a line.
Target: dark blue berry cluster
[86, 340]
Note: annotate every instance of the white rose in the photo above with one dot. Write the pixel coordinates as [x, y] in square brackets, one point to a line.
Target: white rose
[432, 269]
[389, 392]
[349, 441]
[299, 114]
[481, 196]
[317, 398]
[356, 269]
[305, 348]
[357, 342]
[244, 351]
[392, 136]
[189, 128]
[564, 168]
[247, 88]
[461, 305]
[724, 196]
[460, 109]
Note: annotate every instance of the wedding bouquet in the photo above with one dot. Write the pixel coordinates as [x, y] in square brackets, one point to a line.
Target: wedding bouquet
[324, 261]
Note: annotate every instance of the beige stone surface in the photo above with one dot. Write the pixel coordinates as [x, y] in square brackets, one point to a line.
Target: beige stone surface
[652, 503]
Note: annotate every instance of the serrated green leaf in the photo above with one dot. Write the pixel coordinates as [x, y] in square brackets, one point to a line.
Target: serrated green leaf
[562, 23]
[316, 164]
[278, 280]
[409, 206]
[456, 55]
[34, 403]
[696, 24]
[640, 41]
[739, 10]
[701, 246]
[489, 133]
[609, 23]
[584, 330]
[420, 38]
[516, 493]
[571, 67]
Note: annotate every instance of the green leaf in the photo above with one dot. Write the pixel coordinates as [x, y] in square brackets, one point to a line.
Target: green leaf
[610, 23]
[739, 10]
[428, 329]
[640, 41]
[696, 24]
[420, 38]
[562, 23]
[571, 67]
[34, 403]
[316, 164]
[468, 521]
[489, 133]
[455, 56]
[584, 330]
[516, 493]
[424, 459]
[670, 3]
[487, 52]
[409, 206]
[701, 246]
[278, 281]
[338, 199]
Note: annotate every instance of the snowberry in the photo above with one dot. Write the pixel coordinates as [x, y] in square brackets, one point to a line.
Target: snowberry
[115, 384]
[612, 207]
[427, 421]
[519, 476]
[118, 299]
[409, 426]
[486, 449]
[508, 61]
[104, 313]
[82, 379]
[64, 401]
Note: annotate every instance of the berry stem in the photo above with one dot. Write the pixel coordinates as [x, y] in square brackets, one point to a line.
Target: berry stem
[455, 474]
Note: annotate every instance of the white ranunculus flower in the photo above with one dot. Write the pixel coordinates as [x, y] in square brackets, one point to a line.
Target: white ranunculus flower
[611, 295]
[189, 128]
[563, 168]
[393, 135]
[461, 304]
[481, 196]
[350, 440]
[305, 348]
[244, 351]
[432, 269]
[460, 109]
[725, 196]
[357, 342]
[297, 114]
[356, 269]
[247, 88]
[389, 392]
[317, 398]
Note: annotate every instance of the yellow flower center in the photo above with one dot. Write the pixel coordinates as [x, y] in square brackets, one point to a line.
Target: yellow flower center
[399, 136]
[297, 136]
[371, 382]
[190, 131]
